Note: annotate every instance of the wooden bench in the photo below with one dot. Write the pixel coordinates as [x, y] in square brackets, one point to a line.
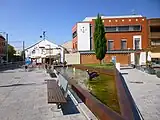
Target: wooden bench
[57, 91]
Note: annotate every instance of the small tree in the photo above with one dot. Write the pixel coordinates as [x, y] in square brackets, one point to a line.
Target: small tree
[99, 39]
[11, 52]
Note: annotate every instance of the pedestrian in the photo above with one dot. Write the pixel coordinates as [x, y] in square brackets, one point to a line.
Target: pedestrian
[26, 68]
[27, 63]
[45, 66]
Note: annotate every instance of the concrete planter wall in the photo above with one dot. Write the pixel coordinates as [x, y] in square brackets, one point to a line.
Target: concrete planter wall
[127, 106]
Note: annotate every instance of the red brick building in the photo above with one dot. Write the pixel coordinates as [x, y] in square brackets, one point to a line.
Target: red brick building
[2, 47]
[127, 37]
[154, 39]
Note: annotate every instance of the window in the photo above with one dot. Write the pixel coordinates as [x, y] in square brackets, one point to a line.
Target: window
[155, 29]
[137, 43]
[110, 44]
[123, 28]
[74, 34]
[123, 44]
[136, 28]
[110, 29]
[76, 45]
[33, 52]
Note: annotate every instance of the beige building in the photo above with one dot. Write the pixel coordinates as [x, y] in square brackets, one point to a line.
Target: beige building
[68, 46]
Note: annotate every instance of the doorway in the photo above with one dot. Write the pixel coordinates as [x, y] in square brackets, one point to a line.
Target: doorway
[137, 58]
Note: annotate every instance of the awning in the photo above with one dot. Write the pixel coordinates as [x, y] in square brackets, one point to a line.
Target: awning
[154, 55]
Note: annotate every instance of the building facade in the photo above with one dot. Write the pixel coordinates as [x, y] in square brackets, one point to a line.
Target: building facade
[154, 38]
[68, 46]
[125, 35]
[45, 51]
[2, 48]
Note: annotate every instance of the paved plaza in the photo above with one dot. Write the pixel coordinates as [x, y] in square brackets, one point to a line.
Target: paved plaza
[23, 96]
[145, 90]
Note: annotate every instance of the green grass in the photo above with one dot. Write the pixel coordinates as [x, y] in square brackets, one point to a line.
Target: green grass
[104, 89]
[109, 65]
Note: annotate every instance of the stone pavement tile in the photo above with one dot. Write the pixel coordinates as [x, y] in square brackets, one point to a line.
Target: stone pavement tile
[29, 117]
[78, 117]
[57, 114]
[29, 102]
[146, 95]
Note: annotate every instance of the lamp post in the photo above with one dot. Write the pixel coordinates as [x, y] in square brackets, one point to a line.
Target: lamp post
[6, 44]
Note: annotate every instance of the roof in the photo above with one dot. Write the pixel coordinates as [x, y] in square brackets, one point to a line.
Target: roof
[33, 44]
[38, 43]
[1, 36]
[153, 18]
[67, 44]
[107, 17]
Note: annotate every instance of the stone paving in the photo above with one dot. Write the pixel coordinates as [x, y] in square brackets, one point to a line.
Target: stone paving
[146, 92]
[23, 96]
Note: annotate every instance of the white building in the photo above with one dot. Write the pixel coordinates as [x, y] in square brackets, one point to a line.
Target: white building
[44, 51]
[18, 52]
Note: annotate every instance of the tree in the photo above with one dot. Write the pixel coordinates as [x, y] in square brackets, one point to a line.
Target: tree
[11, 52]
[99, 39]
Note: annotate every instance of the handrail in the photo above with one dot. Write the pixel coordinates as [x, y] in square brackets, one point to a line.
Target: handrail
[7, 66]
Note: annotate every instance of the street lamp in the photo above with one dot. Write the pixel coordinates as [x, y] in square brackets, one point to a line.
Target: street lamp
[6, 44]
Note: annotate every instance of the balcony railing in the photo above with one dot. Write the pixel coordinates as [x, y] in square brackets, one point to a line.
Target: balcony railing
[154, 35]
[154, 22]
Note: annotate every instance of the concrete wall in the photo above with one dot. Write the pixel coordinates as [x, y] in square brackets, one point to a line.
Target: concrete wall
[143, 58]
[83, 34]
[72, 58]
[91, 58]
[132, 58]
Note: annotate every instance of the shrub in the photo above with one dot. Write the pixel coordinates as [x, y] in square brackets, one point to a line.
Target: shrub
[151, 70]
[158, 74]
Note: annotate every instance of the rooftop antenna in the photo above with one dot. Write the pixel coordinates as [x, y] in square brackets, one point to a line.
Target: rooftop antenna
[44, 35]
[133, 12]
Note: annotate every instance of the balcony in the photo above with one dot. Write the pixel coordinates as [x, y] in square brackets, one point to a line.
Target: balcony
[154, 35]
[154, 22]
[155, 48]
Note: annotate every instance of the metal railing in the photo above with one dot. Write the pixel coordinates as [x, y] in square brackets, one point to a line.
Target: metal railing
[9, 66]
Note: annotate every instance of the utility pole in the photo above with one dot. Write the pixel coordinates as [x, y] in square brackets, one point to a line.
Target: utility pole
[23, 50]
[7, 47]
[50, 54]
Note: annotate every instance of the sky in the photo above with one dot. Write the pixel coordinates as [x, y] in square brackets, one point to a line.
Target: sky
[24, 20]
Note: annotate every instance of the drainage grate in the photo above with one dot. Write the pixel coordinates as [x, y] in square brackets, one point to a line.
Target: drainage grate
[17, 77]
[136, 82]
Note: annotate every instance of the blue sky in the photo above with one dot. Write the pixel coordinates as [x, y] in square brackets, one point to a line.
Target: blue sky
[26, 19]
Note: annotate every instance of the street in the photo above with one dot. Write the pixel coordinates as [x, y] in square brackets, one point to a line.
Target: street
[23, 96]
